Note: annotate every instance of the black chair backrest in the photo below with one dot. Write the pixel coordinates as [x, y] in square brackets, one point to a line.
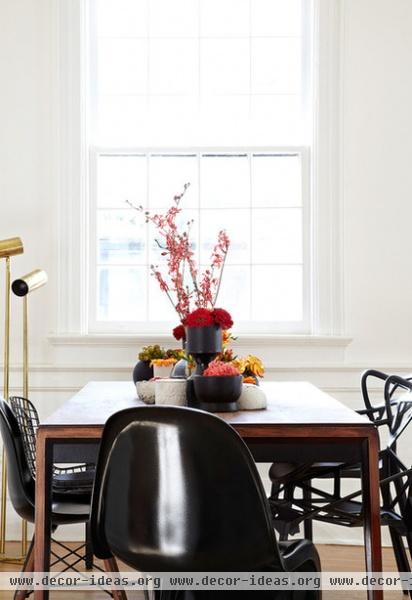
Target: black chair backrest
[28, 419]
[396, 412]
[20, 481]
[176, 489]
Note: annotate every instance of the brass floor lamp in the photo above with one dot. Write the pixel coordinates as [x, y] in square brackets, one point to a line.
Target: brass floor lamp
[8, 248]
[23, 287]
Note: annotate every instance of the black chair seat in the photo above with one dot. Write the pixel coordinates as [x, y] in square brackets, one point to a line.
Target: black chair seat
[74, 483]
[64, 513]
[284, 472]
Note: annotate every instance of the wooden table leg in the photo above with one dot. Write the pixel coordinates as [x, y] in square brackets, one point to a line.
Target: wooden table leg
[42, 528]
[371, 504]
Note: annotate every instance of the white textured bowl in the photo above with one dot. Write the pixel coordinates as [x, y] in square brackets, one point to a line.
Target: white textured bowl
[146, 391]
[252, 397]
[171, 391]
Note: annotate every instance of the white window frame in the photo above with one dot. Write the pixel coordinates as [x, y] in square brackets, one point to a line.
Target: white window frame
[325, 273]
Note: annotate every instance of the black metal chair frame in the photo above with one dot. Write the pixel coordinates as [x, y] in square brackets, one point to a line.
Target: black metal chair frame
[28, 420]
[316, 504]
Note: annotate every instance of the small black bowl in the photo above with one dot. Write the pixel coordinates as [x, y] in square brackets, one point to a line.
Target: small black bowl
[142, 371]
[218, 394]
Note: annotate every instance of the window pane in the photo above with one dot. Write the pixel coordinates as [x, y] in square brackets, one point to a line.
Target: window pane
[122, 18]
[121, 178]
[276, 17]
[237, 225]
[121, 293]
[276, 180]
[277, 236]
[248, 49]
[224, 18]
[168, 175]
[120, 119]
[122, 66]
[234, 293]
[277, 293]
[121, 237]
[225, 66]
[225, 181]
[276, 66]
[160, 308]
[224, 111]
[173, 67]
[173, 18]
[277, 117]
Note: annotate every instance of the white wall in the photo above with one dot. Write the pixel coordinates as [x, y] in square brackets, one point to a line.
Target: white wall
[376, 180]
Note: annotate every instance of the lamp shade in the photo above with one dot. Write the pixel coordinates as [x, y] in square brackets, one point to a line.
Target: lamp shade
[11, 247]
[30, 282]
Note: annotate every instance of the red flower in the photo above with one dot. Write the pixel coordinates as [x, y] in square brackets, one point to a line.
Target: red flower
[219, 369]
[179, 332]
[222, 318]
[201, 317]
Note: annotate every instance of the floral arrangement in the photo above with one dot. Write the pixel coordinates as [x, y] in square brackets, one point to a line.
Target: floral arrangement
[185, 286]
[163, 362]
[148, 353]
[205, 317]
[156, 352]
[250, 366]
[219, 369]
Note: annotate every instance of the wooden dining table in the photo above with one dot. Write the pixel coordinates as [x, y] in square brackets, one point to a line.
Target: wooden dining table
[299, 421]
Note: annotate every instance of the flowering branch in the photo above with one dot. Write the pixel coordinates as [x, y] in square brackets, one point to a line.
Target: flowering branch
[175, 246]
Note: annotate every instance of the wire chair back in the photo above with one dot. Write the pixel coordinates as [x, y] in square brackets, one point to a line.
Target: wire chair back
[27, 418]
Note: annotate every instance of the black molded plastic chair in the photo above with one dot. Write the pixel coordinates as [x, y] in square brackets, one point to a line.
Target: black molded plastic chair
[176, 489]
[21, 485]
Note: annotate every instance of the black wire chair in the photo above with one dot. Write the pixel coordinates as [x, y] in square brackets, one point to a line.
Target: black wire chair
[76, 480]
[295, 500]
[21, 486]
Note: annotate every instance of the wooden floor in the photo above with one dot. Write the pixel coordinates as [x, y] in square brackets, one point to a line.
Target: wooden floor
[334, 558]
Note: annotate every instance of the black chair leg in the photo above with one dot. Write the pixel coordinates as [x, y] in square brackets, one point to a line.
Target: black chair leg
[307, 524]
[274, 492]
[27, 568]
[409, 540]
[400, 556]
[88, 557]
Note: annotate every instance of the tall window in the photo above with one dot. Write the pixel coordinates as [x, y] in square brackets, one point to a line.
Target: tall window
[215, 93]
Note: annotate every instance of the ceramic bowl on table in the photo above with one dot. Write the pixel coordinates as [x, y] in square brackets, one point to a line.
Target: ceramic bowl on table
[252, 398]
[146, 391]
[170, 391]
[218, 393]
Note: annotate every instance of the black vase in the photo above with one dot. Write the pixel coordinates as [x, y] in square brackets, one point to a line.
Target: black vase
[203, 343]
[218, 394]
[142, 371]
